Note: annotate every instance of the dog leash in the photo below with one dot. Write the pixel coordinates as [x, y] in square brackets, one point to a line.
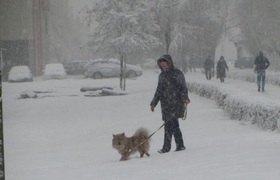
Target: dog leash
[156, 131]
[185, 116]
[185, 113]
[147, 138]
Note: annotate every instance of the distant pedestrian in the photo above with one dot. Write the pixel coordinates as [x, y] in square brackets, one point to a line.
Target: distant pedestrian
[172, 93]
[221, 69]
[191, 65]
[208, 67]
[261, 64]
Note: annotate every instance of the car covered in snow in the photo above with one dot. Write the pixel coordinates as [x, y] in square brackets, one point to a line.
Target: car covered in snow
[20, 74]
[107, 68]
[54, 71]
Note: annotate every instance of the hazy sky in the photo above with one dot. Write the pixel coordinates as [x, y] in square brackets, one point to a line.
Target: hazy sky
[78, 5]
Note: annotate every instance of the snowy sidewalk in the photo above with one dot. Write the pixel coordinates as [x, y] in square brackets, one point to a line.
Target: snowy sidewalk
[240, 87]
[222, 149]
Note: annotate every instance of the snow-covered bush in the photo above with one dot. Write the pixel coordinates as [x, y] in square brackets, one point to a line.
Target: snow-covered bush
[262, 113]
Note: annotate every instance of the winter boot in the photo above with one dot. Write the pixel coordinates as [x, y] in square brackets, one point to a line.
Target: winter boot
[180, 148]
[161, 151]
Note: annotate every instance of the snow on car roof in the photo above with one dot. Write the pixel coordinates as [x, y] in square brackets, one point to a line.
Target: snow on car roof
[54, 66]
[20, 69]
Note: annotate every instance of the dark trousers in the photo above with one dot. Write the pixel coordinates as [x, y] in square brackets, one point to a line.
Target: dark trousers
[208, 74]
[172, 128]
[261, 80]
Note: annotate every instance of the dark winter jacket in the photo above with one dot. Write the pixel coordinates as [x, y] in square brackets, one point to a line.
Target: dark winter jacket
[221, 68]
[208, 64]
[261, 63]
[171, 91]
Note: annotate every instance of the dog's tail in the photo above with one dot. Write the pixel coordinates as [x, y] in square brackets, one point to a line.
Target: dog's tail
[142, 132]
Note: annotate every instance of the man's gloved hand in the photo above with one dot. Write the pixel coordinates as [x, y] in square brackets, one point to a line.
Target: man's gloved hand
[187, 101]
[152, 108]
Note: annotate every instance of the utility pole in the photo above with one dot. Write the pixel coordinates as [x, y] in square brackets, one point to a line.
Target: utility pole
[225, 15]
[1, 55]
[2, 167]
[37, 34]
[1, 61]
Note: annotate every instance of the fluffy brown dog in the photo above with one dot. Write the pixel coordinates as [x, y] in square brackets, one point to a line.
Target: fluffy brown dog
[129, 145]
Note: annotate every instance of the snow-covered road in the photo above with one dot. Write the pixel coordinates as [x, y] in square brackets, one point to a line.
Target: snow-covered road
[69, 137]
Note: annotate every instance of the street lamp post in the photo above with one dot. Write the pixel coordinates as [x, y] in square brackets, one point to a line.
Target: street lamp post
[2, 166]
[1, 59]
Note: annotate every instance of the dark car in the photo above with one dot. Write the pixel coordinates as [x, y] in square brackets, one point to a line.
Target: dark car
[75, 67]
[244, 63]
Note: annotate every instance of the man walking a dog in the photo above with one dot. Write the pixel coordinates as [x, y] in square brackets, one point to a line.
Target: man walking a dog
[172, 92]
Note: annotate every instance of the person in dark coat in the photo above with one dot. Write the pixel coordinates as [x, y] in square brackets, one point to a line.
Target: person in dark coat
[191, 65]
[221, 69]
[261, 64]
[208, 67]
[172, 92]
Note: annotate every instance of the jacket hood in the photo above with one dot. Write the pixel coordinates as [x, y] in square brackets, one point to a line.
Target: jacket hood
[168, 58]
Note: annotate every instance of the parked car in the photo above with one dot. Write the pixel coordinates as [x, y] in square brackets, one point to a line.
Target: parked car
[54, 71]
[20, 74]
[75, 67]
[244, 63]
[99, 69]
[150, 64]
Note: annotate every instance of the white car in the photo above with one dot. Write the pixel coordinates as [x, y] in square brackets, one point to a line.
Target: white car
[110, 68]
[54, 71]
[20, 74]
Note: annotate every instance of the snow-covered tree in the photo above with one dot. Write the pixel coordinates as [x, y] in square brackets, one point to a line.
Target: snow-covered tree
[66, 33]
[166, 16]
[260, 24]
[123, 28]
[185, 28]
[189, 28]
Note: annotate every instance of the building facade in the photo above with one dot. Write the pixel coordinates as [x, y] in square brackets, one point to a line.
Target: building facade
[23, 34]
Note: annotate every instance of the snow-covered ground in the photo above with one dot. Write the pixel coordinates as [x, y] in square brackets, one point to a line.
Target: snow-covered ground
[63, 134]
